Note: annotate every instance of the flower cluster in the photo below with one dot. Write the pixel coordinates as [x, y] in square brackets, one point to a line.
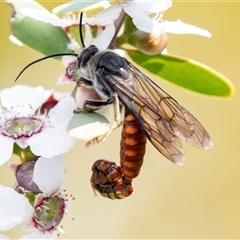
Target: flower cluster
[149, 26]
[34, 123]
[33, 126]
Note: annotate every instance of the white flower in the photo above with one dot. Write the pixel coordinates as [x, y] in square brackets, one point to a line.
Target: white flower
[49, 175]
[48, 17]
[3, 237]
[179, 27]
[104, 22]
[49, 206]
[22, 122]
[136, 9]
[14, 208]
[139, 11]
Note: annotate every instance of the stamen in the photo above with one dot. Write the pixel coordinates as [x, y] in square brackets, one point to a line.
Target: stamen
[22, 127]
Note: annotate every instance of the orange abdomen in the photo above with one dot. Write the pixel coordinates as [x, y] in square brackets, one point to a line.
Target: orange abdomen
[133, 147]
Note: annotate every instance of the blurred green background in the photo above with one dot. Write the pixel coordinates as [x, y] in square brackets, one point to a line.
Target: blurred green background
[198, 200]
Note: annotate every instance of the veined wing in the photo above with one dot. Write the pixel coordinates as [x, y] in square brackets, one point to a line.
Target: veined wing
[162, 119]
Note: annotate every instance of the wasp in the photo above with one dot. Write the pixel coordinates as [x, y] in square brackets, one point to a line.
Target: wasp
[150, 112]
[158, 117]
[155, 115]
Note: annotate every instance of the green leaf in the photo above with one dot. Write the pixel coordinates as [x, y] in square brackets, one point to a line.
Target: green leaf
[87, 125]
[40, 36]
[185, 73]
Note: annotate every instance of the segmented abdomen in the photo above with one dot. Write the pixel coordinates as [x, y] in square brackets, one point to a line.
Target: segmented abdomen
[115, 182]
[108, 180]
[133, 147]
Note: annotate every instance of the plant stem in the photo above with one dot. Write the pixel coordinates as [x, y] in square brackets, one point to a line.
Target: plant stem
[118, 24]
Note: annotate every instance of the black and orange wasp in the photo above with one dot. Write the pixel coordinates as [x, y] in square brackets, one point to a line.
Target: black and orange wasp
[150, 113]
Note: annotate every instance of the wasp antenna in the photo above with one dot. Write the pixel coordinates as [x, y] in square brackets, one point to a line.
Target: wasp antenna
[44, 58]
[80, 30]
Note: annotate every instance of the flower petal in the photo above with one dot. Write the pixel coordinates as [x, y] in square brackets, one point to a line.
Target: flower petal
[6, 148]
[108, 15]
[3, 237]
[104, 38]
[141, 20]
[45, 17]
[154, 6]
[22, 142]
[62, 112]
[66, 60]
[55, 95]
[49, 175]
[76, 6]
[14, 208]
[14, 40]
[39, 235]
[51, 142]
[179, 27]
[63, 79]
[22, 99]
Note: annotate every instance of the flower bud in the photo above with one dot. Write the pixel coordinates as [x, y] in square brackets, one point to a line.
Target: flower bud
[24, 176]
[151, 43]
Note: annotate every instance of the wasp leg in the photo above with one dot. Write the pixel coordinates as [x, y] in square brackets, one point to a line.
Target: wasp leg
[91, 106]
[83, 81]
[117, 115]
[94, 105]
[77, 110]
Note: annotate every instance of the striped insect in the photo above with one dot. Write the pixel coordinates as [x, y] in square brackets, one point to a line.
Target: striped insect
[158, 116]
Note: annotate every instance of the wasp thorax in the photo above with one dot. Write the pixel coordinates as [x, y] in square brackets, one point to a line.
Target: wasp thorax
[22, 127]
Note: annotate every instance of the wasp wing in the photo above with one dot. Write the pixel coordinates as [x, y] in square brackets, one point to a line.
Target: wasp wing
[162, 119]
